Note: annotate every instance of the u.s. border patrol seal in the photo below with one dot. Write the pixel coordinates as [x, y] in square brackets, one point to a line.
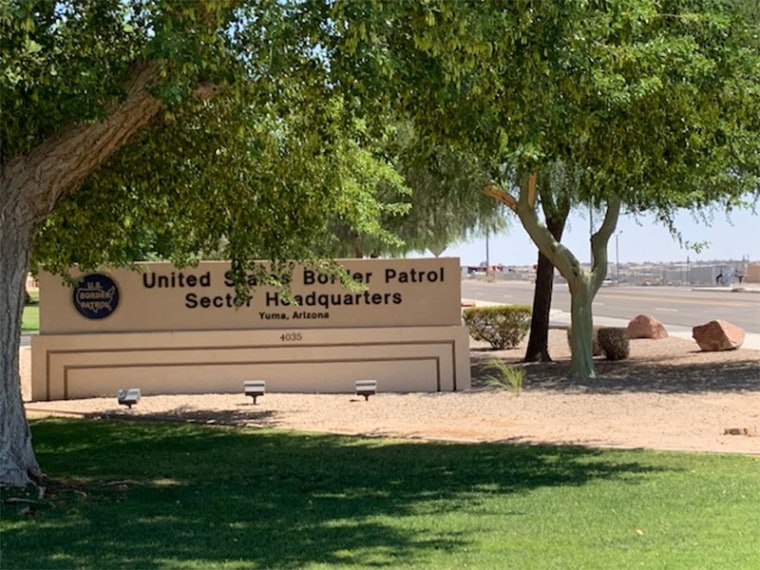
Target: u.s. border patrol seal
[96, 296]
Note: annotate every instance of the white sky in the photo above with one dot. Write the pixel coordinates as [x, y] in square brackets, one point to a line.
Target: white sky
[729, 239]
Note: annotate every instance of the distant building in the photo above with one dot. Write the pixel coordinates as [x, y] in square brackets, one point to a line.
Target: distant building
[727, 273]
[752, 274]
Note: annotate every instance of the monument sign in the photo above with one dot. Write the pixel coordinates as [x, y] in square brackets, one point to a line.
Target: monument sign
[169, 330]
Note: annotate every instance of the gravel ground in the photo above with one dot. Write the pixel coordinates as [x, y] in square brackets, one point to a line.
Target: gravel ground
[667, 396]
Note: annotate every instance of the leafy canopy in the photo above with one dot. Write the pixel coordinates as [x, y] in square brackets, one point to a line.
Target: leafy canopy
[259, 167]
[656, 102]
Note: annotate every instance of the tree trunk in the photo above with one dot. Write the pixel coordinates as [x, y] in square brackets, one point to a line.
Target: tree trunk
[538, 341]
[30, 187]
[18, 465]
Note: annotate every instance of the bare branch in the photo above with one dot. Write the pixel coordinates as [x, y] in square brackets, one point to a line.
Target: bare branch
[504, 197]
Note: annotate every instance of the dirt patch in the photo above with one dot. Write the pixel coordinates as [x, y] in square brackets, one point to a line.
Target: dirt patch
[668, 395]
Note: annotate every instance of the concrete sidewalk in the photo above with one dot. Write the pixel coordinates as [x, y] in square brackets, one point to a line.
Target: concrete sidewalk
[560, 318]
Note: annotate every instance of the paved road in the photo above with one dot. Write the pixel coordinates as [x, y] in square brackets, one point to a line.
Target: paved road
[674, 306]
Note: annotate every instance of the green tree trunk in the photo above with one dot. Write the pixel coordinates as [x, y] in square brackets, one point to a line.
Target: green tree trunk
[581, 329]
[583, 284]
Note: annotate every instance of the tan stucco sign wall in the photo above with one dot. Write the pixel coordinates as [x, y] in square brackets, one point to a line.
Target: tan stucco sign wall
[173, 331]
[160, 297]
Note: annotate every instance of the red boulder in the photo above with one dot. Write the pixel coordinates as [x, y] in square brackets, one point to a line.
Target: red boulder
[646, 326]
[718, 335]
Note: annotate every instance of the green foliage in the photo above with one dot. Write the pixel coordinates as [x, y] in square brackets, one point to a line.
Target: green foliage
[61, 62]
[260, 170]
[503, 326]
[505, 376]
[447, 204]
[272, 192]
[654, 103]
[193, 496]
[434, 200]
[64, 63]
[651, 106]
[381, 196]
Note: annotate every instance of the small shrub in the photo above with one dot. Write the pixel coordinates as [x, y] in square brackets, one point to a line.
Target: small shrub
[596, 349]
[615, 343]
[505, 376]
[502, 326]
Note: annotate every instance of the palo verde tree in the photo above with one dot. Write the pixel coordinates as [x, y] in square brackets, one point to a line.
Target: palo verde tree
[188, 126]
[654, 103]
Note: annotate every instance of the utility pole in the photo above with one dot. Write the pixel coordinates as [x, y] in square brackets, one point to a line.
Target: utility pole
[590, 234]
[488, 257]
[688, 270]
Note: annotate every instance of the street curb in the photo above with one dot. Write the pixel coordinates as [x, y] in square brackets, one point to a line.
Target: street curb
[561, 319]
[729, 289]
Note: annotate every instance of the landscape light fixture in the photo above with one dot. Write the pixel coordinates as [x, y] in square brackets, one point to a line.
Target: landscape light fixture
[254, 388]
[366, 388]
[128, 397]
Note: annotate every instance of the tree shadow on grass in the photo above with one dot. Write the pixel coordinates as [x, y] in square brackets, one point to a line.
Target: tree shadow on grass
[201, 496]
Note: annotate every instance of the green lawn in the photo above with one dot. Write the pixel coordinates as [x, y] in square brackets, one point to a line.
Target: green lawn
[140, 495]
[31, 319]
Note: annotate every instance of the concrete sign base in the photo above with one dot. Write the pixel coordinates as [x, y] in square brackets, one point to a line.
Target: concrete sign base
[401, 359]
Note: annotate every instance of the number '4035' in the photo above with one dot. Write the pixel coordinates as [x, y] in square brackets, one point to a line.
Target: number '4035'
[291, 337]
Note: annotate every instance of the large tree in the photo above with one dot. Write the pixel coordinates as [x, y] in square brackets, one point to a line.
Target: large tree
[655, 103]
[188, 126]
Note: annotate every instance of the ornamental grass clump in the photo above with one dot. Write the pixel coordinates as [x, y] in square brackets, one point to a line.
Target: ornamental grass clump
[502, 326]
[505, 376]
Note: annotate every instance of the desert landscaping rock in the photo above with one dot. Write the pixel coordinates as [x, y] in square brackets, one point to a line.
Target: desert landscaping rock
[718, 335]
[646, 326]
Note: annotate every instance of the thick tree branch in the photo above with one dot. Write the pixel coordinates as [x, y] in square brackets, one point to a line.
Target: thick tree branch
[532, 190]
[599, 241]
[36, 181]
[32, 184]
[559, 255]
